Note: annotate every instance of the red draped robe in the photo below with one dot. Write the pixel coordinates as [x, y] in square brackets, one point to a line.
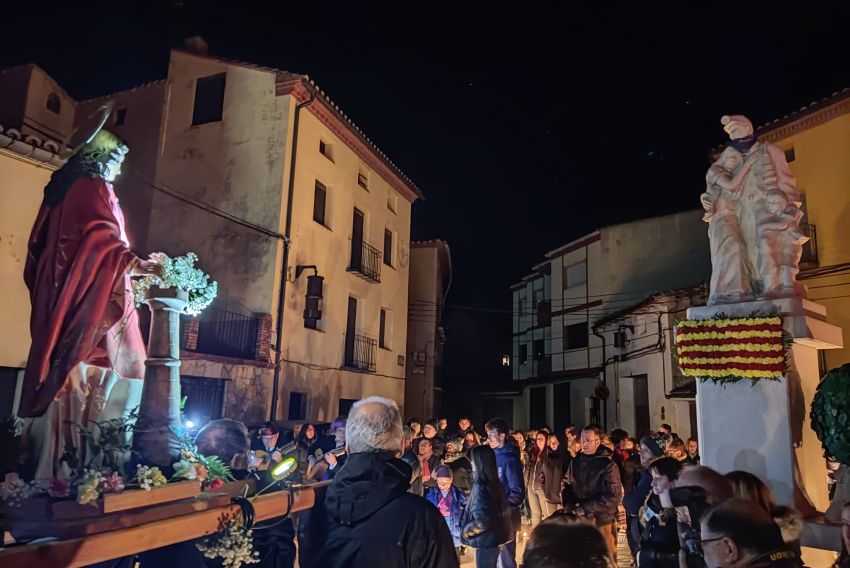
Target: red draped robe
[82, 303]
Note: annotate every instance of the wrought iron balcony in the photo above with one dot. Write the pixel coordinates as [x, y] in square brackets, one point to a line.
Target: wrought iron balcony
[226, 333]
[810, 249]
[361, 352]
[365, 261]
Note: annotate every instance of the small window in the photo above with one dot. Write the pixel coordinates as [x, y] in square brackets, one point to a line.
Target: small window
[297, 406]
[388, 247]
[209, 99]
[575, 336]
[523, 354]
[575, 274]
[120, 116]
[363, 179]
[385, 330]
[790, 155]
[326, 150]
[392, 202]
[53, 103]
[320, 196]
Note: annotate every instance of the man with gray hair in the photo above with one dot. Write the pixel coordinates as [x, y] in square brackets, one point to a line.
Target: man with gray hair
[368, 518]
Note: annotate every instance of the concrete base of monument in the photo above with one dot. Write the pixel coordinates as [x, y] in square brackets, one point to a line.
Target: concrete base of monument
[764, 427]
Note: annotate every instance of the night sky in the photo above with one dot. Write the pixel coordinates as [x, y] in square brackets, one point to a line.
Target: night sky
[526, 124]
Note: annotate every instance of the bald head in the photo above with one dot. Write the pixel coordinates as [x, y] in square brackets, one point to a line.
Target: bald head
[716, 486]
[374, 425]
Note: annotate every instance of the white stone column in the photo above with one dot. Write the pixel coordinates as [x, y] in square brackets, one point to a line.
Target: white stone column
[155, 439]
[764, 428]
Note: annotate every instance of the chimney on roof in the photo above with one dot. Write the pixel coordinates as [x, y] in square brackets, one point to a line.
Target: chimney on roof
[196, 44]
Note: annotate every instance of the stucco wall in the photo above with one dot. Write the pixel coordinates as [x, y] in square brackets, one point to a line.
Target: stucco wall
[823, 175]
[141, 132]
[20, 198]
[328, 247]
[236, 165]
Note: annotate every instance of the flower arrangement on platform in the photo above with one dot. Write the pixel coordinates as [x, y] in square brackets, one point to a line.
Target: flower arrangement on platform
[211, 471]
[91, 485]
[233, 544]
[148, 477]
[724, 349]
[179, 272]
[13, 489]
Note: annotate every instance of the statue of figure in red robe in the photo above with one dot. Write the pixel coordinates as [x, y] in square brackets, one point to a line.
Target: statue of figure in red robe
[86, 362]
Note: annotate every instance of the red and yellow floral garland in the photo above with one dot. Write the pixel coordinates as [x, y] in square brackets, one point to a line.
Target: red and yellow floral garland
[730, 349]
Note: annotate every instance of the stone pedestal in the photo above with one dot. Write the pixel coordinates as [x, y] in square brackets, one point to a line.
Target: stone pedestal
[155, 438]
[764, 427]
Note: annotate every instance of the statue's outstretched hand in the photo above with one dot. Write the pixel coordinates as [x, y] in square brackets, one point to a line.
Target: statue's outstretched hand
[148, 268]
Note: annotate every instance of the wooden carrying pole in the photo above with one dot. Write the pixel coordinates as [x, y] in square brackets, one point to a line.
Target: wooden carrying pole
[149, 535]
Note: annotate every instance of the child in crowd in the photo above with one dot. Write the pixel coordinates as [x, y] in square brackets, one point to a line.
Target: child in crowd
[450, 501]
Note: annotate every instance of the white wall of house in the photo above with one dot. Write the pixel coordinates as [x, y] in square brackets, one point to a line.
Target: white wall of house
[20, 197]
[599, 274]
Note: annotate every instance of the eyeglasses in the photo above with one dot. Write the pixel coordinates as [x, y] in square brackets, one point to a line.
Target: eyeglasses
[705, 540]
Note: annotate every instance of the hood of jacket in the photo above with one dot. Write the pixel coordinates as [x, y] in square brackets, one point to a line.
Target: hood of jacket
[364, 485]
[601, 452]
[790, 522]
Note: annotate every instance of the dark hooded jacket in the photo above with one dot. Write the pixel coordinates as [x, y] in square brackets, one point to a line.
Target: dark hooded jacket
[371, 520]
[486, 521]
[551, 472]
[593, 483]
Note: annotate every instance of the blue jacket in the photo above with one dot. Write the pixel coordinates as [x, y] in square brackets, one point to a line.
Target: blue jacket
[510, 474]
[458, 504]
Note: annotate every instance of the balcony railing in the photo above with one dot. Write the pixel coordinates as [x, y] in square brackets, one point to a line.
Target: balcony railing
[542, 366]
[365, 261]
[810, 249]
[228, 334]
[361, 351]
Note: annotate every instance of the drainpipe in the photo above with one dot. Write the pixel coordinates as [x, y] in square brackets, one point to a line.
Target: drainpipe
[604, 379]
[281, 297]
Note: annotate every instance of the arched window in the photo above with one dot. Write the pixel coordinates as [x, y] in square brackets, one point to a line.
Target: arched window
[53, 103]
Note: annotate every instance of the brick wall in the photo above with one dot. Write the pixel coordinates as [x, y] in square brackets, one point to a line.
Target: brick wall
[262, 351]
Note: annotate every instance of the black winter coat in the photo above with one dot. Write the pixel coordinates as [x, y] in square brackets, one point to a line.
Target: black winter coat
[486, 521]
[551, 472]
[371, 520]
[593, 483]
[461, 473]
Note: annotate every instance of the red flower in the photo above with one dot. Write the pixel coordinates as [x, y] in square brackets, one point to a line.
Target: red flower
[215, 483]
[58, 488]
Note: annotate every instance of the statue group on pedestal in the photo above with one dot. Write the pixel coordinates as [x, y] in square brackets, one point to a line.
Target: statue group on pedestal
[87, 356]
[753, 210]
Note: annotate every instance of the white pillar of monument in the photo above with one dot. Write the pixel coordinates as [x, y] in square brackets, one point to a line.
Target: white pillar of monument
[764, 428]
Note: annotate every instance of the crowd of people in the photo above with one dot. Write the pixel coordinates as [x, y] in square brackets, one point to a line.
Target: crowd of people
[423, 496]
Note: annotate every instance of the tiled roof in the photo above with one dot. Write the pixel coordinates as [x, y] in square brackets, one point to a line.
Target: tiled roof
[663, 295]
[130, 90]
[804, 110]
[30, 146]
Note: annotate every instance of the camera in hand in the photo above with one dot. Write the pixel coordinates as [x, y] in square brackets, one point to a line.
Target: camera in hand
[690, 505]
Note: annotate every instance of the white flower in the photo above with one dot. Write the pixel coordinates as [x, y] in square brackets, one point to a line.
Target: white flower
[185, 469]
